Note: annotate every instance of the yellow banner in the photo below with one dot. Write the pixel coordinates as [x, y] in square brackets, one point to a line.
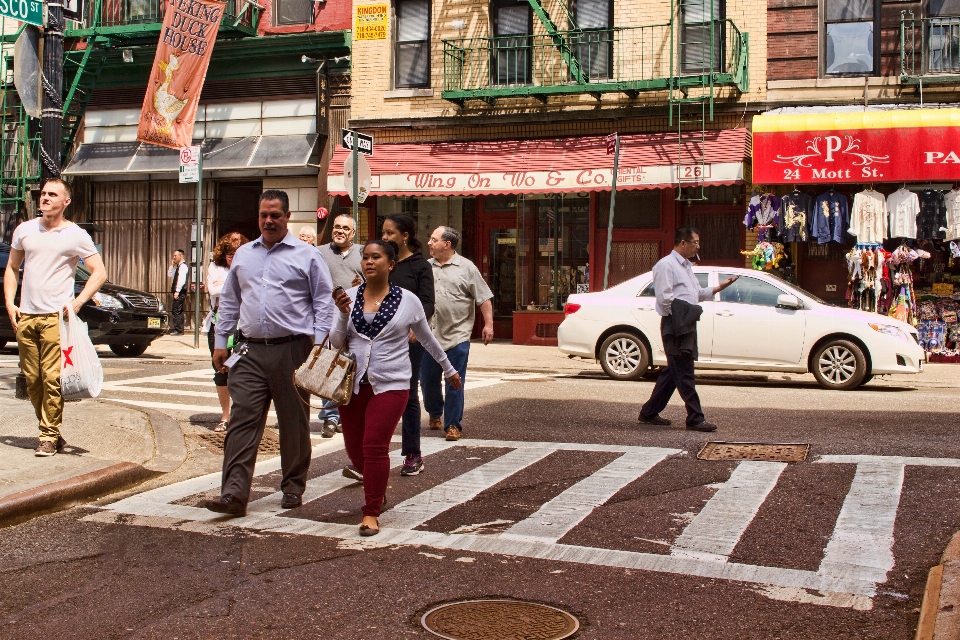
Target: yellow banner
[370, 22]
[179, 69]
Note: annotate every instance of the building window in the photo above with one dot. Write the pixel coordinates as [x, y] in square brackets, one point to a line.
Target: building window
[413, 44]
[850, 37]
[511, 50]
[699, 19]
[293, 12]
[594, 49]
[943, 39]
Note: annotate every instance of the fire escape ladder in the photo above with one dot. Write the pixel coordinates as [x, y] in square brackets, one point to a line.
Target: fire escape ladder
[560, 40]
[80, 72]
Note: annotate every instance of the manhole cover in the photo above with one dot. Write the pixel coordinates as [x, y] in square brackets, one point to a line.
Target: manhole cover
[499, 620]
[167, 362]
[213, 442]
[754, 451]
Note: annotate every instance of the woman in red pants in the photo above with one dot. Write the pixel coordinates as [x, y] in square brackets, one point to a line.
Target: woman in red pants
[375, 321]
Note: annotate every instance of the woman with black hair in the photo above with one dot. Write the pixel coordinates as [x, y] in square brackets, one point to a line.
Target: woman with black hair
[414, 274]
[375, 321]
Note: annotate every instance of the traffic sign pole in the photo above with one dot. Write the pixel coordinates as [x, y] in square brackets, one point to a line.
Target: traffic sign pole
[613, 202]
[199, 257]
[356, 182]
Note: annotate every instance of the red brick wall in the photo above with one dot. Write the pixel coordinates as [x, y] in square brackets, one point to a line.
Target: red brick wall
[332, 15]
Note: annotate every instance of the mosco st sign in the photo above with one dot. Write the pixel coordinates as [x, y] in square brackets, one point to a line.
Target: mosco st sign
[873, 146]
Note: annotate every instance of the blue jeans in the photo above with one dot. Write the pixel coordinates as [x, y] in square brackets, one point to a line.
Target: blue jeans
[450, 403]
[411, 415]
[329, 411]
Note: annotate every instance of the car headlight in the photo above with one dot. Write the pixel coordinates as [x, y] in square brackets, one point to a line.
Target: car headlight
[892, 331]
[107, 301]
[160, 307]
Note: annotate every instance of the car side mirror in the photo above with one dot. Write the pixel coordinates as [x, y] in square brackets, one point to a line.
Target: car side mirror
[787, 301]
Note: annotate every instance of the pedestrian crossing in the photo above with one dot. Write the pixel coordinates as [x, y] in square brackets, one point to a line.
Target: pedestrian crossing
[855, 562]
[193, 391]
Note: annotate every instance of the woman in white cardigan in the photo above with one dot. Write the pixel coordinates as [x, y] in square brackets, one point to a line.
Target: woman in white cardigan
[216, 276]
[375, 320]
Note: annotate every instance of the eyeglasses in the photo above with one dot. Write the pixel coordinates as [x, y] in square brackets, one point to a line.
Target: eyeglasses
[338, 227]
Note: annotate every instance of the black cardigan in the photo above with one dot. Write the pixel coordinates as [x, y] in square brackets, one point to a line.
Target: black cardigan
[415, 275]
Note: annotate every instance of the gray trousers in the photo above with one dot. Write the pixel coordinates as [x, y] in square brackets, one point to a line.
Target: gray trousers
[265, 373]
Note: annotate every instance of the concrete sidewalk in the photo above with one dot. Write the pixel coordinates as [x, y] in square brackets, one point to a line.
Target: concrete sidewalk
[109, 447]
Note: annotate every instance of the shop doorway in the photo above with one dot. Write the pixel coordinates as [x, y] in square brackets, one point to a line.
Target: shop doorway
[237, 207]
[498, 264]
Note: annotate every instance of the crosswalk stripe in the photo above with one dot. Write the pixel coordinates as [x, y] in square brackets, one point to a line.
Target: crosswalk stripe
[431, 503]
[862, 542]
[715, 531]
[561, 514]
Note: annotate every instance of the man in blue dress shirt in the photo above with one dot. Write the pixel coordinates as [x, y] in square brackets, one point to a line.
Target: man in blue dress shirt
[279, 290]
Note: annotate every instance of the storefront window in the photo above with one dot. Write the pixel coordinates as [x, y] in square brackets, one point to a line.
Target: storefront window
[552, 249]
[429, 212]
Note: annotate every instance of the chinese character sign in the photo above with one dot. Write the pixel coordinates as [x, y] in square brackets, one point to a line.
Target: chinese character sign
[179, 69]
[370, 22]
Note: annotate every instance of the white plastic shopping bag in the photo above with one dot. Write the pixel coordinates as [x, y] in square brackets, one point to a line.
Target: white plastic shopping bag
[81, 375]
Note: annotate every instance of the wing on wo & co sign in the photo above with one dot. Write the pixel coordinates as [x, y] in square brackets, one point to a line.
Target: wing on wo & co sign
[179, 69]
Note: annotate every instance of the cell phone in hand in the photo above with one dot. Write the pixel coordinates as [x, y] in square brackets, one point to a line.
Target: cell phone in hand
[337, 290]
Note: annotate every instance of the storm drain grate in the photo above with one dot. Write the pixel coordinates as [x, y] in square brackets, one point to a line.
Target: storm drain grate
[499, 620]
[754, 451]
[213, 442]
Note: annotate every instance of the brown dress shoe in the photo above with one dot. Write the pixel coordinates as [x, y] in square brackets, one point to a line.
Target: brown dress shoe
[453, 433]
[436, 424]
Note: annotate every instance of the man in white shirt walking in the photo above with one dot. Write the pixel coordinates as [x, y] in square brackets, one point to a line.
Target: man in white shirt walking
[178, 271]
[675, 282]
[49, 247]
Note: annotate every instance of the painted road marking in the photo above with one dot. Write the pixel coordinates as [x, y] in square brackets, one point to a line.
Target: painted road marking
[855, 563]
[715, 531]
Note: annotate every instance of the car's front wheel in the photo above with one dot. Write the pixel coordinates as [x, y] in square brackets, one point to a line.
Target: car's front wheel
[624, 356]
[129, 350]
[840, 365]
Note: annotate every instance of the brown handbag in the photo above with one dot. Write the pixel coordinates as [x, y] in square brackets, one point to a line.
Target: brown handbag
[327, 373]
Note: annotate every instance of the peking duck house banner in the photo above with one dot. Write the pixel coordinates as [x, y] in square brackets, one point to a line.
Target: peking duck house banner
[900, 145]
[179, 69]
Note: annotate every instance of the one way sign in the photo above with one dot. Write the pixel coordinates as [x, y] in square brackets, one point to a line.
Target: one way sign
[364, 142]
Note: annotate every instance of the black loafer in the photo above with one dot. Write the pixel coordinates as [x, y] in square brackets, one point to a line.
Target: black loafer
[366, 531]
[657, 420]
[290, 501]
[227, 504]
[703, 426]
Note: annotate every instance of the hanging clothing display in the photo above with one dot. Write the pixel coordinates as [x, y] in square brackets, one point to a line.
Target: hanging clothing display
[904, 206]
[796, 209]
[932, 216]
[831, 218]
[868, 218]
[868, 284]
[952, 201]
[762, 214]
[904, 304]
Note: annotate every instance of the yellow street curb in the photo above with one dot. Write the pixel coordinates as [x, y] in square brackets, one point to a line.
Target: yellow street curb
[932, 605]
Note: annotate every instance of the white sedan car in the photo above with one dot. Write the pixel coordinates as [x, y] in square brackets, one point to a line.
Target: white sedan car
[759, 323]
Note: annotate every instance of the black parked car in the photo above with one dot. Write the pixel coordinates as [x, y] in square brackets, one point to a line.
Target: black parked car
[125, 319]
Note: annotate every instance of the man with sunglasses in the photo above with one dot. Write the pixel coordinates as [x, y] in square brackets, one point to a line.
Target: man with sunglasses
[678, 293]
[343, 258]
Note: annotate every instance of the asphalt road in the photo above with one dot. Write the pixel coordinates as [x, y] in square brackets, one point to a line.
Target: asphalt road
[555, 495]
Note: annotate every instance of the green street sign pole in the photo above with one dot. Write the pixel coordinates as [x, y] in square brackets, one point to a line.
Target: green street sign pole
[613, 203]
[199, 243]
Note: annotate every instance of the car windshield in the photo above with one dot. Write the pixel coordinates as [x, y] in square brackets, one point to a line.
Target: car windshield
[796, 288]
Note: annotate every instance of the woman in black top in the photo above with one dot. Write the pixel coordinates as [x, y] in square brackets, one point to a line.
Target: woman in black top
[414, 274]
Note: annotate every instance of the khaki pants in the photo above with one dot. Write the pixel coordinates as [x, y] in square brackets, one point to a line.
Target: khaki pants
[38, 337]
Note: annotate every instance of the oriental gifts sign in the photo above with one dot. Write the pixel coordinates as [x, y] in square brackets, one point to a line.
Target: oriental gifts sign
[179, 69]
[912, 148]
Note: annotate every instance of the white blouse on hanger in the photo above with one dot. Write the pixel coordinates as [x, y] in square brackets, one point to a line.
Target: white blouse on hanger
[904, 205]
[868, 218]
[952, 198]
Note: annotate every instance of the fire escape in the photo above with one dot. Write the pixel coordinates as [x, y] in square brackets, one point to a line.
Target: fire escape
[688, 60]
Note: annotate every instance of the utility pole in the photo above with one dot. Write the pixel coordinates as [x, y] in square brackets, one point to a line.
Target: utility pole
[51, 113]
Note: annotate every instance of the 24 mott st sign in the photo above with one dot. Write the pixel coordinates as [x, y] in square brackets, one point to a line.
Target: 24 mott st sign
[884, 146]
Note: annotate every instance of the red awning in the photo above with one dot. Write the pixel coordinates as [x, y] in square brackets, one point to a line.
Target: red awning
[550, 165]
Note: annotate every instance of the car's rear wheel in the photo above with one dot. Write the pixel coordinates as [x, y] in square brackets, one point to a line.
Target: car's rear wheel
[624, 356]
[840, 365]
[129, 350]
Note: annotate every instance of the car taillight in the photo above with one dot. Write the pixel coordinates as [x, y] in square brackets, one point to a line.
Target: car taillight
[570, 307]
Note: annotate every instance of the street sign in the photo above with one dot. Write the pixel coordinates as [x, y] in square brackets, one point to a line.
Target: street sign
[29, 11]
[26, 69]
[364, 179]
[189, 163]
[364, 142]
[611, 141]
[72, 10]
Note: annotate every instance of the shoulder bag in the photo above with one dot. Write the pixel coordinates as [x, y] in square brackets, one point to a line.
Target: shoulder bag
[327, 373]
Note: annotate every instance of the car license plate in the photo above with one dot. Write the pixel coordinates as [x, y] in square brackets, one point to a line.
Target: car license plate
[153, 323]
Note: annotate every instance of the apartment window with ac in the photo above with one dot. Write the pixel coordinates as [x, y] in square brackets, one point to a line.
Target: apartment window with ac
[594, 50]
[293, 12]
[512, 46]
[701, 21]
[943, 37]
[412, 55]
[851, 37]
